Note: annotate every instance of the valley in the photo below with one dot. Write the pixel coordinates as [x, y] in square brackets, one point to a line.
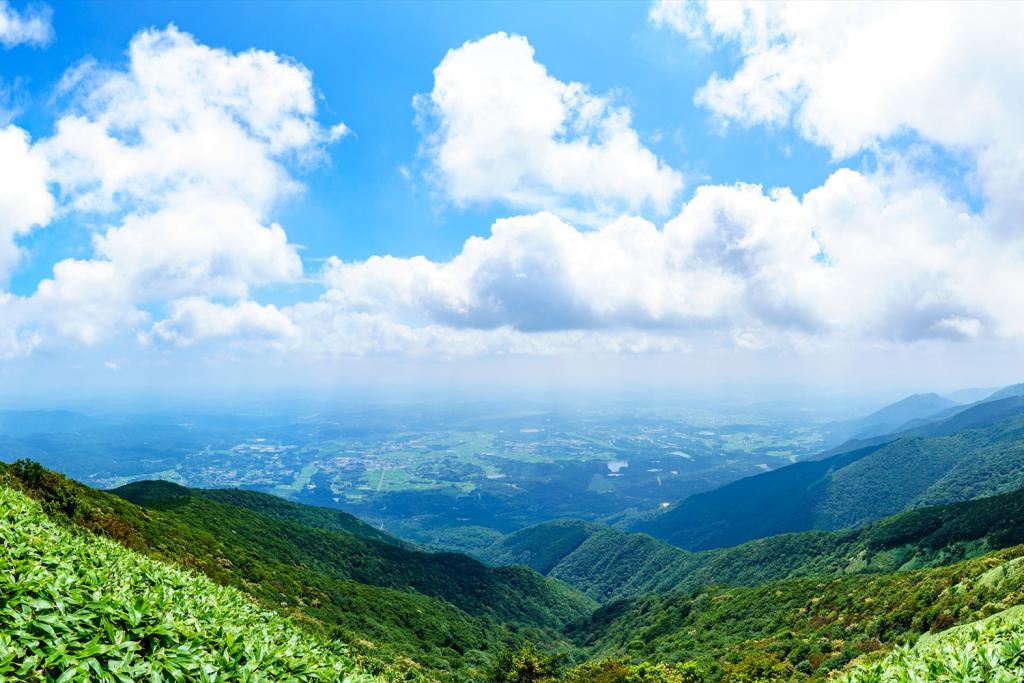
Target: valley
[456, 476]
[589, 595]
[672, 341]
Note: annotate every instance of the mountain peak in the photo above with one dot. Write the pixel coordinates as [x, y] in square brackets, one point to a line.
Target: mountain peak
[1008, 392]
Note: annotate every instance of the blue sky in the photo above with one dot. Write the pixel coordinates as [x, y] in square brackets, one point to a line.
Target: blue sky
[369, 59]
[871, 249]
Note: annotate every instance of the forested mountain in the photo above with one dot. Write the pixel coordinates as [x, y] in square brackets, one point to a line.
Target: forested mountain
[157, 494]
[441, 612]
[893, 417]
[861, 485]
[808, 626]
[943, 423]
[81, 607]
[409, 614]
[609, 564]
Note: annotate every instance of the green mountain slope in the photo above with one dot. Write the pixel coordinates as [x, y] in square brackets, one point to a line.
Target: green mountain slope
[603, 562]
[279, 508]
[246, 537]
[446, 612]
[80, 607]
[853, 487]
[776, 502]
[813, 625]
[990, 649]
[609, 564]
[894, 416]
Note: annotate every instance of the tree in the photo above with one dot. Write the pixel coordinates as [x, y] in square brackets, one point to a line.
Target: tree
[758, 667]
[528, 665]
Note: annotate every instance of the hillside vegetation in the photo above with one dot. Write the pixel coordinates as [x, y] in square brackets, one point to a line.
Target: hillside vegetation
[80, 607]
[444, 613]
[813, 625]
[803, 606]
[989, 650]
[854, 487]
[609, 564]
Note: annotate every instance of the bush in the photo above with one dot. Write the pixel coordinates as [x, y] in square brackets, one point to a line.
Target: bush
[991, 651]
[758, 667]
[527, 665]
[78, 607]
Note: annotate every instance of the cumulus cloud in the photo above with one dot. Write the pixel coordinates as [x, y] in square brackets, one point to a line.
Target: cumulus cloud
[25, 201]
[195, 319]
[183, 117]
[851, 76]
[884, 257]
[179, 158]
[500, 128]
[31, 27]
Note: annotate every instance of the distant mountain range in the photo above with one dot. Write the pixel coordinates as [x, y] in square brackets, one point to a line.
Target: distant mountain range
[914, 410]
[610, 564]
[965, 453]
[800, 573]
[893, 417]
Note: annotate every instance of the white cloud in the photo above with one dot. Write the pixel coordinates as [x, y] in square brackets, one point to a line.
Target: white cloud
[501, 129]
[183, 117]
[180, 158]
[31, 27]
[880, 258]
[850, 76]
[195, 319]
[25, 201]
[338, 131]
[213, 246]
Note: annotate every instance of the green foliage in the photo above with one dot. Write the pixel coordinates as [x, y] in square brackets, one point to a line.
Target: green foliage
[758, 667]
[853, 487]
[991, 651]
[599, 671]
[804, 606]
[266, 505]
[530, 665]
[815, 624]
[526, 665]
[76, 607]
[609, 564]
[688, 672]
[442, 612]
[248, 540]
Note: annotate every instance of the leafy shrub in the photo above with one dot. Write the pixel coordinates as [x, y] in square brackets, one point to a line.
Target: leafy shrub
[758, 667]
[76, 607]
[527, 665]
[603, 671]
[991, 651]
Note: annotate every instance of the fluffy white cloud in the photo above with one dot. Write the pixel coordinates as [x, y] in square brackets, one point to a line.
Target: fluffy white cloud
[193, 320]
[882, 258]
[25, 201]
[179, 158]
[183, 117]
[852, 75]
[500, 128]
[213, 246]
[31, 27]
